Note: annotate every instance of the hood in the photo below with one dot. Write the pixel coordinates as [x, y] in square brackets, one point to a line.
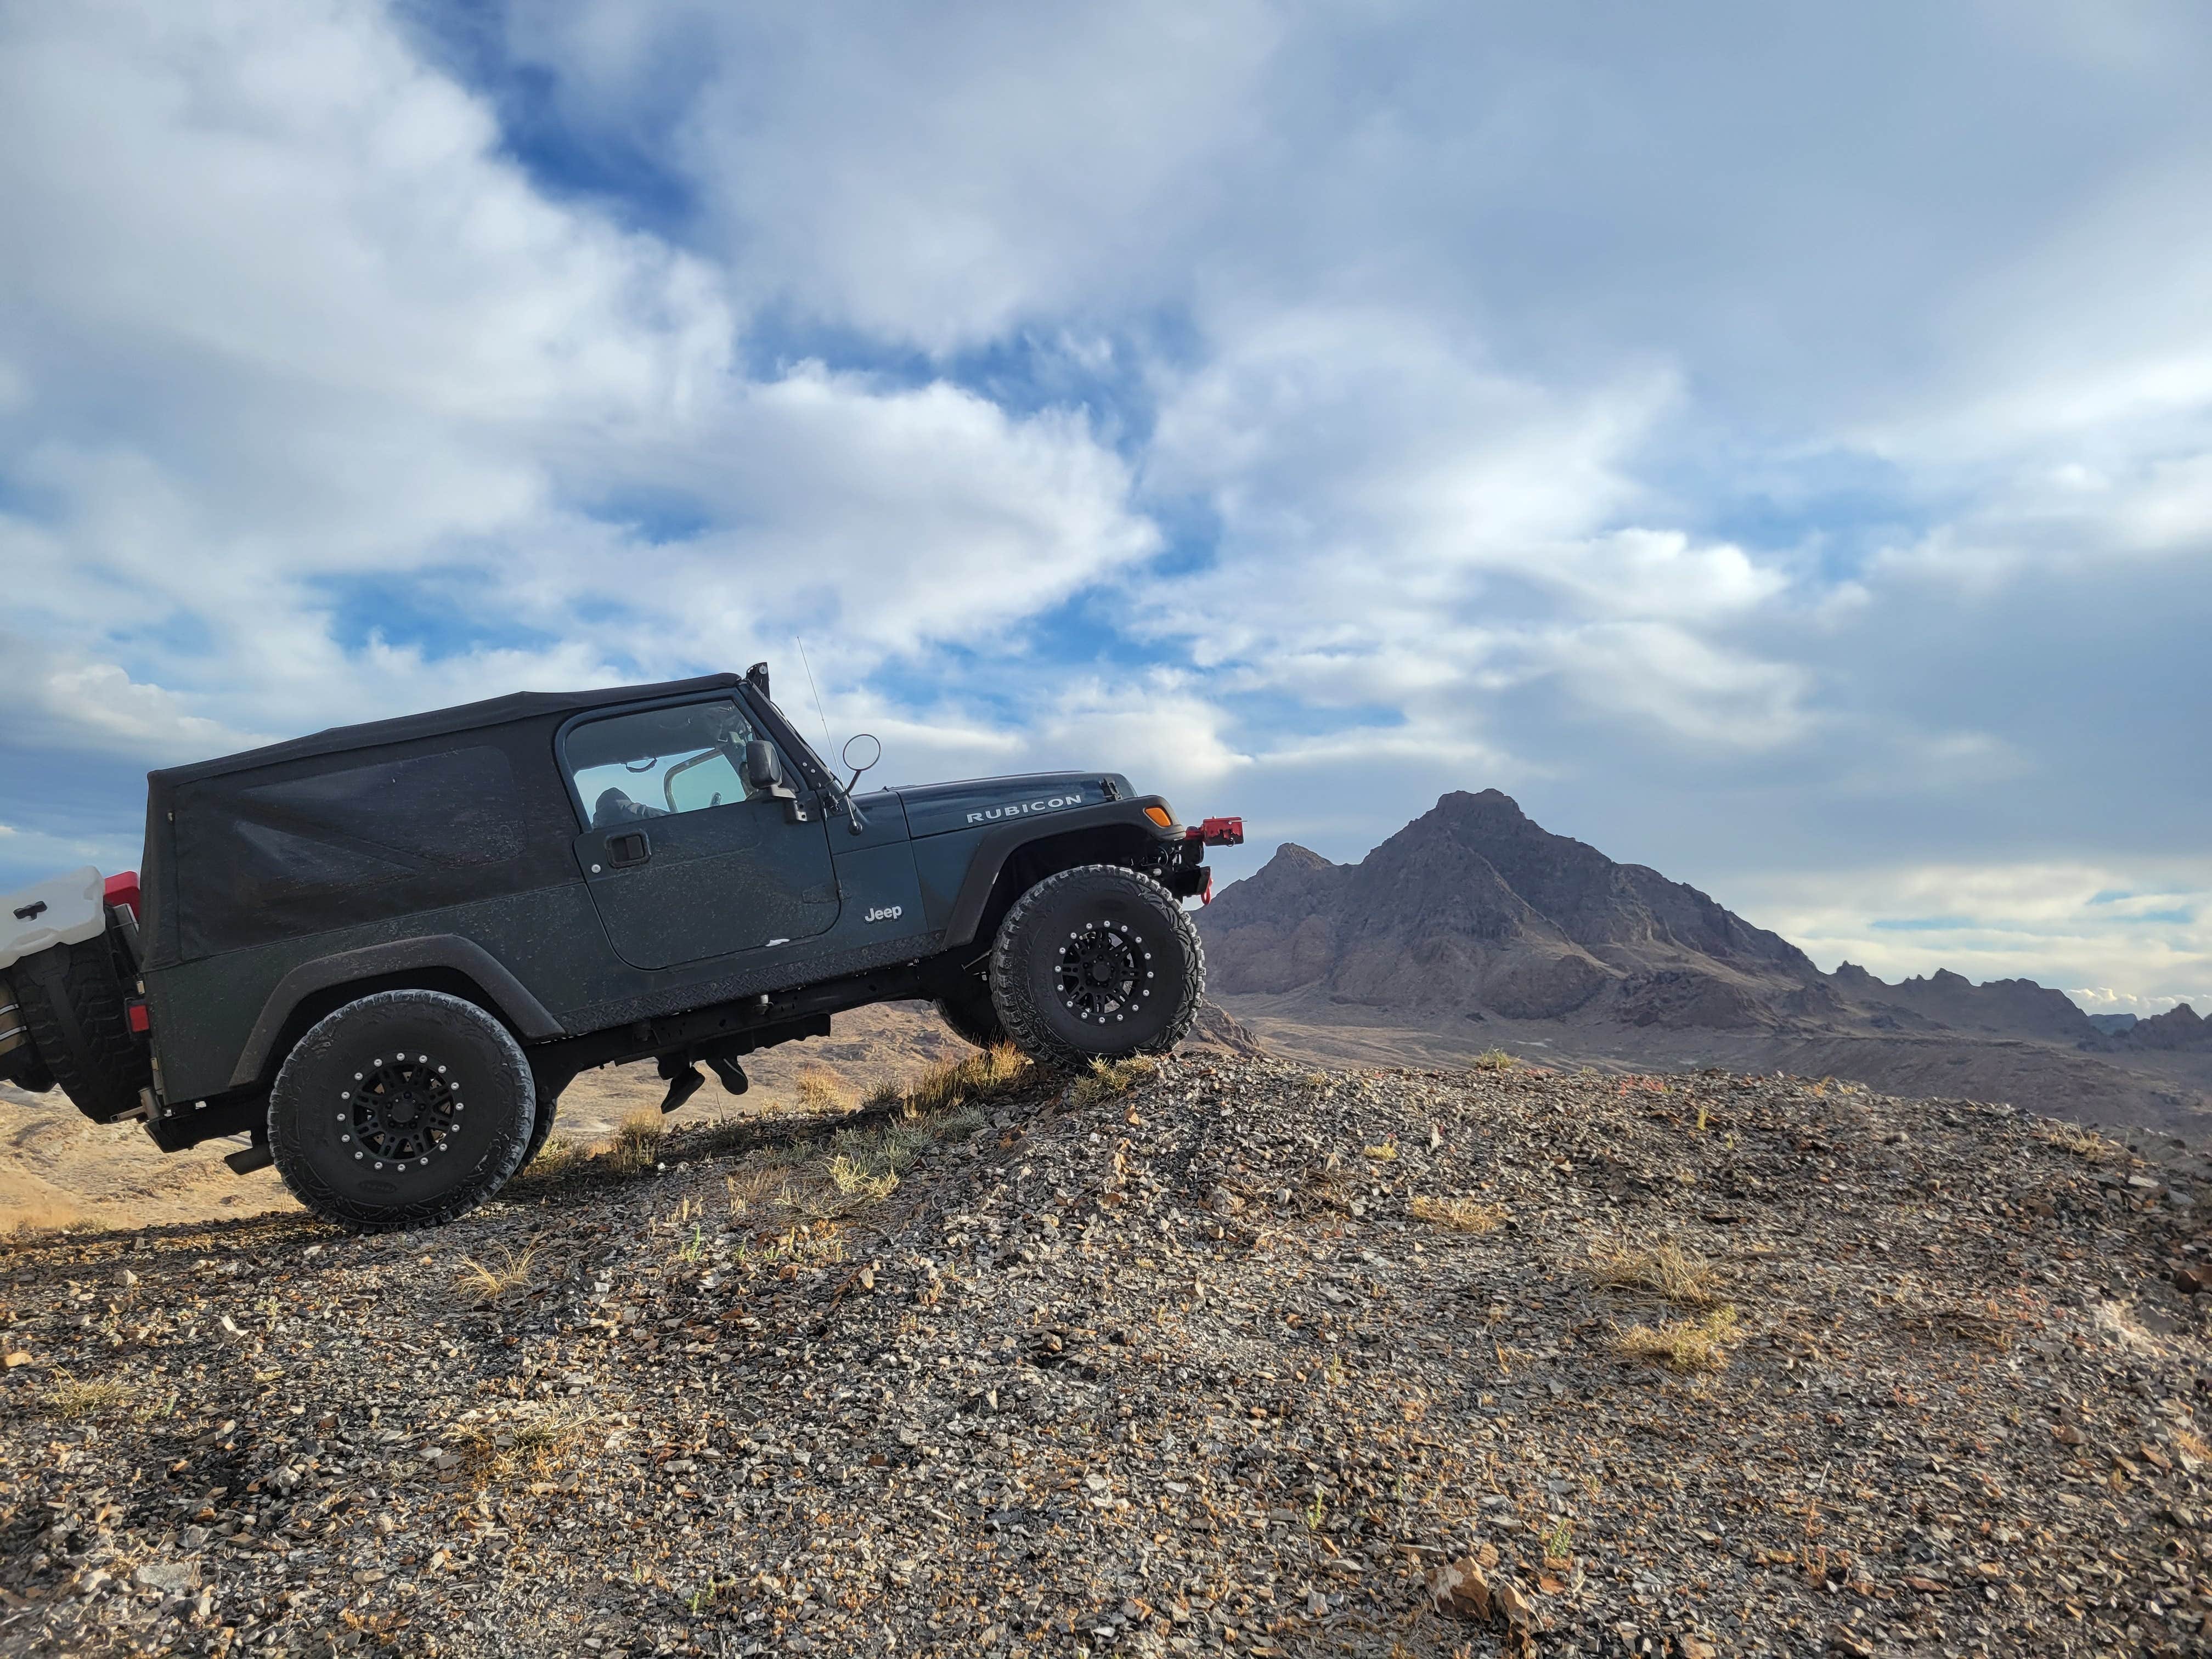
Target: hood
[934, 808]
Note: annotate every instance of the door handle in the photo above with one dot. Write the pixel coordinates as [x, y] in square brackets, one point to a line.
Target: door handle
[632, 846]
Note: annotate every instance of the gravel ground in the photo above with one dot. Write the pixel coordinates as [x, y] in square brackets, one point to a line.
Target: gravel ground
[1228, 1358]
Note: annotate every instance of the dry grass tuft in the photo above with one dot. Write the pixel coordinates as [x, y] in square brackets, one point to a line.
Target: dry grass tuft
[973, 1080]
[1461, 1215]
[822, 1095]
[2084, 1143]
[485, 1285]
[70, 1400]
[1669, 1270]
[857, 1181]
[535, 1448]
[556, 1158]
[864, 1165]
[1108, 1078]
[758, 1188]
[637, 1140]
[1683, 1344]
[1495, 1059]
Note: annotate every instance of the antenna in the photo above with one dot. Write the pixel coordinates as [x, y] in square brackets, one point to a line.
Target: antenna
[826, 744]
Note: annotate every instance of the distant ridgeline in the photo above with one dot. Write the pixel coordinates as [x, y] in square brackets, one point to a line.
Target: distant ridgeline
[1474, 910]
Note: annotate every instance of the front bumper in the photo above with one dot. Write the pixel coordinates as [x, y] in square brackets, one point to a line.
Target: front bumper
[1187, 876]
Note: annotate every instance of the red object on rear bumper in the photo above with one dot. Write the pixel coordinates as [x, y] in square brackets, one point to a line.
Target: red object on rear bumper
[1218, 832]
[123, 889]
[141, 1021]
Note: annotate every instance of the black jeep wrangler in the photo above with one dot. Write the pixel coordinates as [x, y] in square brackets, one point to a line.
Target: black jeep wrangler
[382, 951]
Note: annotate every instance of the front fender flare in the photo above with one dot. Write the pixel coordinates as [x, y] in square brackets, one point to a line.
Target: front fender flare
[997, 846]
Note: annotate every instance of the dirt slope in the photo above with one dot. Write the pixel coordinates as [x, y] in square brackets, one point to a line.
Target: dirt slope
[1234, 1362]
[58, 1171]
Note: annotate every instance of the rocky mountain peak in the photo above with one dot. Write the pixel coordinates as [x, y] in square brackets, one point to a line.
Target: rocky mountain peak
[1474, 905]
[1475, 909]
[2179, 1027]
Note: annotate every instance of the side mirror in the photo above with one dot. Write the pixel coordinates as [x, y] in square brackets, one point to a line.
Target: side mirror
[861, 752]
[763, 770]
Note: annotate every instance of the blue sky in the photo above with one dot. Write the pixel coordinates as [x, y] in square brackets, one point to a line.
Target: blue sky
[1775, 444]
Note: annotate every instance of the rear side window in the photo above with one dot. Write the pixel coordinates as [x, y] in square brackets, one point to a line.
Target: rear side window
[660, 761]
[263, 859]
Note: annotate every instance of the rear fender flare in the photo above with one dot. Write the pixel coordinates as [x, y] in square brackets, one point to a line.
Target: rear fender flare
[373, 967]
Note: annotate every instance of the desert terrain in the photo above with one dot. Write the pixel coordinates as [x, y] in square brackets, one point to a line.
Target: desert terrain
[1218, 1355]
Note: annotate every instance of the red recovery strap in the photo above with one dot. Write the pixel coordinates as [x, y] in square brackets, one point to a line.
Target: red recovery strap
[1218, 832]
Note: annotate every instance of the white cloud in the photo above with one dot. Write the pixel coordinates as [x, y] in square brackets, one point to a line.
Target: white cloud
[1433, 528]
[298, 355]
[2144, 926]
[936, 177]
[1503, 415]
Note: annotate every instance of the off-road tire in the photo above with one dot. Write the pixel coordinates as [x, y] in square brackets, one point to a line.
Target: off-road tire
[448, 1114]
[73, 999]
[1128, 925]
[23, 1069]
[972, 1015]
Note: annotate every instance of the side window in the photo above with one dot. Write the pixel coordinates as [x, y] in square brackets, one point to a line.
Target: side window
[658, 762]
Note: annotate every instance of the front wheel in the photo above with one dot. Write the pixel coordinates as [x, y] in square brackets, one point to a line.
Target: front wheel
[405, 1109]
[1096, 963]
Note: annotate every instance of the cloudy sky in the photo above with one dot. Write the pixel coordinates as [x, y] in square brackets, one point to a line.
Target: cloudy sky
[1773, 443]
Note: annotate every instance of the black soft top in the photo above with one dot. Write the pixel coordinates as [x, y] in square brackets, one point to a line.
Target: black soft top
[435, 723]
[366, 822]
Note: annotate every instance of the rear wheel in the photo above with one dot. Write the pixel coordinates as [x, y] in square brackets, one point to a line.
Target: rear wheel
[73, 999]
[1096, 963]
[403, 1110]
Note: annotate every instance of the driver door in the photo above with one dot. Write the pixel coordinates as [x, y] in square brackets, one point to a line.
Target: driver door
[682, 861]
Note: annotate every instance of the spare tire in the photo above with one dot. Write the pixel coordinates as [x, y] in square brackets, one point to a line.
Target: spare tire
[20, 1065]
[73, 998]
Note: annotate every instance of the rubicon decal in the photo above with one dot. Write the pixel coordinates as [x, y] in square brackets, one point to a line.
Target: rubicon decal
[1022, 809]
[885, 913]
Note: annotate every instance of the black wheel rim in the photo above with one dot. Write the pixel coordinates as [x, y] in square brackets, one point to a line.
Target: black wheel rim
[400, 1112]
[1104, 973]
